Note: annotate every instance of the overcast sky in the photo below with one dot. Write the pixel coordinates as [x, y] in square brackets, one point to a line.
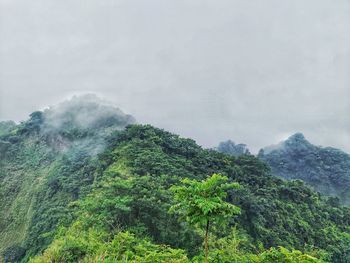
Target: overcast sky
[253, 71]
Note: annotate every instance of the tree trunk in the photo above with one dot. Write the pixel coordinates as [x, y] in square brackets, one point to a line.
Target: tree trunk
[206, 247]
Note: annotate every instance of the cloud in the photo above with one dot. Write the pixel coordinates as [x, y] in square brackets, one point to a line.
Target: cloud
[251, 71]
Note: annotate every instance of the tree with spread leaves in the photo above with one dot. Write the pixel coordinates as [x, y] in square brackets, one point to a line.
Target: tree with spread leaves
[202, 203]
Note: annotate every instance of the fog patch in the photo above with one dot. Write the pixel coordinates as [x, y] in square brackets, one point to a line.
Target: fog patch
[295, 140]
[86, 112]
[82, 122]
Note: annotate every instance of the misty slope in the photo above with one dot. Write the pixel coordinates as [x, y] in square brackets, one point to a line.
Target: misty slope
[327, 170]
[76, 186]
[60, 142]
[229, 147]
[131, 191]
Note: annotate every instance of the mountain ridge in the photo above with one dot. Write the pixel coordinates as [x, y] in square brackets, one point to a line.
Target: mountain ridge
[48, 191]
[326, 169]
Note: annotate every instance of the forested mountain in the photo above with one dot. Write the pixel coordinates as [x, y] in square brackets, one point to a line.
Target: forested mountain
[229, 147]
[326, 169]
[45, 163]
[81, 182]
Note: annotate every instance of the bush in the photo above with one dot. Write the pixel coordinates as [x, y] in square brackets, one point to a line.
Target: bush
[13, 253]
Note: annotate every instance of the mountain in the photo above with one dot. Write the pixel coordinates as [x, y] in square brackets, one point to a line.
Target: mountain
[46, 162]
[229, 147]
[81, 182]
[326, 169]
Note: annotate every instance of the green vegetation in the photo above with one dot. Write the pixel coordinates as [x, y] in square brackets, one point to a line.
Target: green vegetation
[6, 127]
[327, 169]
[202, 204]
[81, 193]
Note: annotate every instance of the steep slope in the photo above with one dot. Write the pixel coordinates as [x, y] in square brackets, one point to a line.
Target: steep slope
[85, 189]
[327, 170]
[45, 164]
[130, 191]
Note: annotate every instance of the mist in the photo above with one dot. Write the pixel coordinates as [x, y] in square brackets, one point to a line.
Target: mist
[86, 112]
[251, 71]
[81, 123]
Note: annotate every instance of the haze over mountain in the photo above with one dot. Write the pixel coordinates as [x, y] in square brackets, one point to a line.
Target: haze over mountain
[229, 147]
[326, 169]
[80, 182]
[45, 153]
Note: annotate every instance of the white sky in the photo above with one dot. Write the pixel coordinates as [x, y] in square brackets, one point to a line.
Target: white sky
[253, 71]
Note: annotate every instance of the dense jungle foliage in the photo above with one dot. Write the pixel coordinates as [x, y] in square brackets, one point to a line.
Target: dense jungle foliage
[326, 169]
[95, 192]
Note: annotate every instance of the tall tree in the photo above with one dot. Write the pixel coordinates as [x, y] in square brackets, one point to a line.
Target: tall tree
[202, 203]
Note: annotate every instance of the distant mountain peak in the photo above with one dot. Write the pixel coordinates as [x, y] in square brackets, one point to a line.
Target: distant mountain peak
[296, 143]
[297, 138]
[326, 169]
[77, 118]
[229, 147]
[86, 111]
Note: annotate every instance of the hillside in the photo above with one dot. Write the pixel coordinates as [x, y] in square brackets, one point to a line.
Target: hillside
[326, 169]
[46, 163]
[79, 183]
